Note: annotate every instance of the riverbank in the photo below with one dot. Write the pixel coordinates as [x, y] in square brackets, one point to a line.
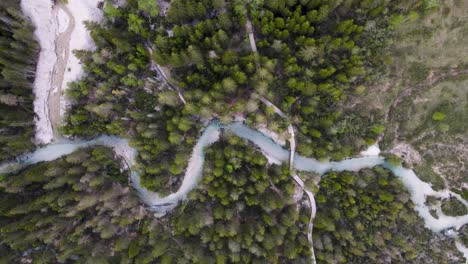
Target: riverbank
[60, 29]
[43, 16]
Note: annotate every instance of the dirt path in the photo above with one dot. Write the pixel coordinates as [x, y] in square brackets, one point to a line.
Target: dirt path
[249, 28]
[313, 212]
[292, 142]
[62, 51]
[162, 73]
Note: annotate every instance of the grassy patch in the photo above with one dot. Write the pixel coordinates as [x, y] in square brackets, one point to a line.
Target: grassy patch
[463, 192]
[418, 71]
[426, 174]
[453, 207]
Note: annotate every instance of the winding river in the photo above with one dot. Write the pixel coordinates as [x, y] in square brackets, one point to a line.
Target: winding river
[275, 153]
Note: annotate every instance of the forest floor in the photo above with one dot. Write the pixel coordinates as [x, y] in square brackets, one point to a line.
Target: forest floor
[429, 74]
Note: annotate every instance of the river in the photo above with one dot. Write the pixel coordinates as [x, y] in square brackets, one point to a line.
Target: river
[275, 153]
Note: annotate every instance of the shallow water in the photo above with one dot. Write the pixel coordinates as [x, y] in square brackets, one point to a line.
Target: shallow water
[66, 147]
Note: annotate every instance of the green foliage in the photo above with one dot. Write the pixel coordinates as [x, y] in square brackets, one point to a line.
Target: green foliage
[453, 207]
[418, 72]
[182, 11]
[367, 216]
[438, 116]
[76, 206]
[149, 6]
[393, 160]
[431, 4]
[464, 235]
[377, 129]
[426, 174]
[18, 53]
[463, 192]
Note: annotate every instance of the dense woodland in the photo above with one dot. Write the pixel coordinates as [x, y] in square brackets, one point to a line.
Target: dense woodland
[367, 217]
[68, 208]
[241, 212]
[18, 54]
